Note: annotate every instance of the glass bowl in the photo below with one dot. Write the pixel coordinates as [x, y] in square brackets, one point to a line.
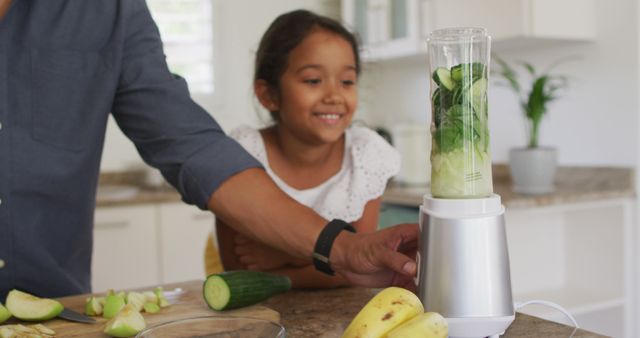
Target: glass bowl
[218, 327]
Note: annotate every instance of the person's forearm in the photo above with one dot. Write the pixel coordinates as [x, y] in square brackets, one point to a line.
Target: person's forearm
[253, 205]
[307, 277]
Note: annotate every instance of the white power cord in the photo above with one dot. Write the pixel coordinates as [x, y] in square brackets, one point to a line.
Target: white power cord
[519, 306]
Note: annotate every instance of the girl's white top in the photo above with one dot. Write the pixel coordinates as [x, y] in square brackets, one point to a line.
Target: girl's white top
[368, 163]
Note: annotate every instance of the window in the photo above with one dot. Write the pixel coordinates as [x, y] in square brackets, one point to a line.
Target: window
[186, 27]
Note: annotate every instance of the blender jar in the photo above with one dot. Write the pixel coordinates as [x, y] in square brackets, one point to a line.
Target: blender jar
[460, 158]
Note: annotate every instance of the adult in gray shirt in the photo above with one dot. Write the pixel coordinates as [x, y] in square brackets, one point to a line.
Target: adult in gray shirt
[64, 66]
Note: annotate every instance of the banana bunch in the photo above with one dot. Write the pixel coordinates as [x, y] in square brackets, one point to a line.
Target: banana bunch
[396, 313]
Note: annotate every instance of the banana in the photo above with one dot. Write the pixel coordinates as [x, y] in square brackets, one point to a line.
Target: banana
[426, 325]
[386, 310]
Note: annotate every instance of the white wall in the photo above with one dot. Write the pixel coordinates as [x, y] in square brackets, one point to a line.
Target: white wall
[240, 26]
[594, 123]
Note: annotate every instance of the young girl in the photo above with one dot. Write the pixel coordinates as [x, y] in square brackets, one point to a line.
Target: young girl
[306, 74]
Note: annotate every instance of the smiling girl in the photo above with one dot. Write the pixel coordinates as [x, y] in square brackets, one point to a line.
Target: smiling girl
[306, 73]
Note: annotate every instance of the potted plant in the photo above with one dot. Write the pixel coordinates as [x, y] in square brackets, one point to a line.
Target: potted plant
[533, 167]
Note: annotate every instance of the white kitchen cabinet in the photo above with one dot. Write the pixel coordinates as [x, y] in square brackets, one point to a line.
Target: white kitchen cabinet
[183, 234]
[125, 248]
[392, 29]
[387, 28]
[516, 23]
[148, 244]
[579, 256]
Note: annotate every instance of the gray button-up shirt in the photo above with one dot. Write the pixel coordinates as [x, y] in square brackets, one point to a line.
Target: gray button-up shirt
[64, 66]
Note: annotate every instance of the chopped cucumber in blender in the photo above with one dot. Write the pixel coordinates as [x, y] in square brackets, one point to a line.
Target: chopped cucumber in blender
[442, 77]
[460, 161]
[462, 71]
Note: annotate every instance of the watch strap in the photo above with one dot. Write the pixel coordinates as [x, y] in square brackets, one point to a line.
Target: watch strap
[322, 249]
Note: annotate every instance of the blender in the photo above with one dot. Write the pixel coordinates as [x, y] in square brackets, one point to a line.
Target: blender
[463, 261]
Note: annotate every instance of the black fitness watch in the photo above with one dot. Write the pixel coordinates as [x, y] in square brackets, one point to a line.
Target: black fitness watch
[325, 242]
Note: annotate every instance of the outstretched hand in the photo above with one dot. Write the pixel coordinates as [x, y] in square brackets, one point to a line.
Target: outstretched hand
[378, 259]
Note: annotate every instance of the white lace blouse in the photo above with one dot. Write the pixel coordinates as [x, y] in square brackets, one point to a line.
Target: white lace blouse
[368, 163]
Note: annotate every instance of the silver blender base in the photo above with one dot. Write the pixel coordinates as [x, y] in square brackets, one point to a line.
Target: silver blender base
[463, 265]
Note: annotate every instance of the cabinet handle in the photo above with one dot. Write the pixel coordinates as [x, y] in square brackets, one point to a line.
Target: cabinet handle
[112, 225]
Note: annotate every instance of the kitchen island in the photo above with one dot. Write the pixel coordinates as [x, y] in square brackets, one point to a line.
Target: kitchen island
[303, 313]
[573, 247]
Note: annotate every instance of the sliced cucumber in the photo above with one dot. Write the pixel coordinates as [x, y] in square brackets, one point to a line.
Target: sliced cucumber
[234, 289]
[456, 72]
[479, 97]
[479, 88]
[436, 106]
[467, 71]
[442, 77]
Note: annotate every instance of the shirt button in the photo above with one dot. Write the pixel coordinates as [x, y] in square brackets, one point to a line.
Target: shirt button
[1, 264]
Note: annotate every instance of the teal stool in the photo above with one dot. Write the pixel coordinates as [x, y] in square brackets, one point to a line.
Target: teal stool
[392, 214]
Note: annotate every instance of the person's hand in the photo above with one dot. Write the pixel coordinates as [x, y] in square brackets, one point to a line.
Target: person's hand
[377, 259]
[258, 256]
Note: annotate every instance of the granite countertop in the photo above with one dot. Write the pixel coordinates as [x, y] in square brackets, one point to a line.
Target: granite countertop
[327, 313]
[141, 192]
[573, 184]
[303, 313]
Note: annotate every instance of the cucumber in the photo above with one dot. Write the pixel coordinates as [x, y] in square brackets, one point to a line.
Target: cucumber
[234, 289]
[436, 106]
[479, 96]
[442, 77]
[479, 88]
[466, 71]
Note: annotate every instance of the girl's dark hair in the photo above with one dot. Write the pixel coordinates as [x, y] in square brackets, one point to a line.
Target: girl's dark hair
[285, 33]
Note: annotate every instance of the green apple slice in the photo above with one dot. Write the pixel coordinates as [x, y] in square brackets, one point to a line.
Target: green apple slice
[127, 323]
[31, 308]
[162, 300]
[112, 306]
[93, 307]
[136, 299]
[4, 314]
[151, 308]
[150, 297]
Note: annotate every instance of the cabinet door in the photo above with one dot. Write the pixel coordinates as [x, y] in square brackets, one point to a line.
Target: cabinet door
[514, 19]
[183, 234]
[387, 28]
[125, 250]
[503, 19]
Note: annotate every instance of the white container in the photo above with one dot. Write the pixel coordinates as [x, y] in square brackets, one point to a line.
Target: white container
[413, 141]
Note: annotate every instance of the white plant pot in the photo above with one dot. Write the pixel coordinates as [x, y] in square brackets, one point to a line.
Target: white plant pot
[533, 170]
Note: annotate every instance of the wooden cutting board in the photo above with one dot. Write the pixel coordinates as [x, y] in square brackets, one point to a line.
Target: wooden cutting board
[186, 303]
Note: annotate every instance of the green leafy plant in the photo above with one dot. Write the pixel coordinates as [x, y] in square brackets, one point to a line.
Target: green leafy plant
[544, 89]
